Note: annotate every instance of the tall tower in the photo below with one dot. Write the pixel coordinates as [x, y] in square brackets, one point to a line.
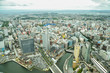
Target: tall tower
[76, 52]
[87, 54]
[86, 51]
[46, 40]
[2, 45]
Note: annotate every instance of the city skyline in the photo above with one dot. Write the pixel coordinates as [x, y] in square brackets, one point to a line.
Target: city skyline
[55, 5]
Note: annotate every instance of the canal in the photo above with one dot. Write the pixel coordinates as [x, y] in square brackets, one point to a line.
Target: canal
[61, 61]
[12, 67]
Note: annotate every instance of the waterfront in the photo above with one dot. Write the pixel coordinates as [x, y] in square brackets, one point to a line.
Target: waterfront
[61, 61]
[12, 67]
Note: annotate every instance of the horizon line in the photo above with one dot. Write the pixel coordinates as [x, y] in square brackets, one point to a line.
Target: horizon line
[58, 9]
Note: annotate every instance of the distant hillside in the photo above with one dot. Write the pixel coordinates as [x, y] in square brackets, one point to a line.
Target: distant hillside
[55, 11]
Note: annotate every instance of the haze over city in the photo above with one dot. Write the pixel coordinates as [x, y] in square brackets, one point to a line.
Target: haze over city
[55, 4]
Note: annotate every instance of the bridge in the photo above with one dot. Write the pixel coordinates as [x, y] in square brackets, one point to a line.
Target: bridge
[71, 51]
[54, 68]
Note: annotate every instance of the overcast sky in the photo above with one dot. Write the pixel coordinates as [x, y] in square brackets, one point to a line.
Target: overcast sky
[56, 4]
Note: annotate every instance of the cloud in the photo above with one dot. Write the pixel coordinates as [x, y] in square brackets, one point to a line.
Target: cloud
[103, 4]
[55, 4]
[12, 3]
[2, 0]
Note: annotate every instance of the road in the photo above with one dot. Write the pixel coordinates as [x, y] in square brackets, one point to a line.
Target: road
[53, 67]
[71, 51]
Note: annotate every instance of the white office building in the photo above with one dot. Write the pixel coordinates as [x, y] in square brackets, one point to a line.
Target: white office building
[46, 40]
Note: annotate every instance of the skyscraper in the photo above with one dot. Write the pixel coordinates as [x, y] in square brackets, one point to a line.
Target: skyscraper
[87, 54]
[2, 45]
[86, 51]
[76, 52]
[46, 40]
[27, 45]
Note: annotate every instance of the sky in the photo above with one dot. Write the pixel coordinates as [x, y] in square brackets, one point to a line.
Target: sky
[55, 4]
